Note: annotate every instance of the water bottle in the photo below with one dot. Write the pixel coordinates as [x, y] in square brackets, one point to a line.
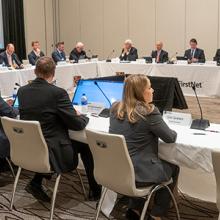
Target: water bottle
[14, 93]
[84, 104]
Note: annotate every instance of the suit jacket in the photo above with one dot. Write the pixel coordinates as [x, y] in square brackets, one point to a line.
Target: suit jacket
[199, 54]
[4, 59]
[75, 55]
[163, 56]
[57, 56]
[142, 141]
[51, 106]
[217, 55]
[132, 56]
[5, 110]
[32, 57]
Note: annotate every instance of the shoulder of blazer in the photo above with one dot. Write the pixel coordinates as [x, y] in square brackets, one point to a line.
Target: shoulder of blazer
[32, 54]
[134, 49]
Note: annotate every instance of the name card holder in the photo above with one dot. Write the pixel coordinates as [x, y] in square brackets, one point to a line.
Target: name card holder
[177, 118]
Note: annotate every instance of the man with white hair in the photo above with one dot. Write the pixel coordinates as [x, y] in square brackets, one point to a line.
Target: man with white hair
[78, 53]
[129, 53]
[160, 55]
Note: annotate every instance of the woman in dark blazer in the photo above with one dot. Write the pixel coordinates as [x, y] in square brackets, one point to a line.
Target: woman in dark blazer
[142, 125]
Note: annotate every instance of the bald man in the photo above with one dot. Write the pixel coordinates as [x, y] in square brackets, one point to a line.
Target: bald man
[9, 58]
[78, 53]
[160, 55]
[129, 53]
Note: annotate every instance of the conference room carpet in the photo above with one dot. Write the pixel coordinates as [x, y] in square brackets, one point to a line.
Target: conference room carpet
[71, 204]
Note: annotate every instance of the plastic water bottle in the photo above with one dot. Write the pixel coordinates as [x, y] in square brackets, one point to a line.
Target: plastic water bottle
[84, 104]
[14, 93]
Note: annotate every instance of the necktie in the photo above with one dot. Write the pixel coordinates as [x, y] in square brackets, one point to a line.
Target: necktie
[192, 53]
[10, 62]
[158, 57]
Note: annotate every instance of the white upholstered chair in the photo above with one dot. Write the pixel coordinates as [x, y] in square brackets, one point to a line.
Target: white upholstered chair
[113, 169]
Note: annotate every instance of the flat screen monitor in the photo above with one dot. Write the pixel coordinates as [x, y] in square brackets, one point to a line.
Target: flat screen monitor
[92, 89]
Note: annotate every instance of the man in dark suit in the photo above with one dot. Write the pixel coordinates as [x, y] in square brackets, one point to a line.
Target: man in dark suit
[129, 53]
[194, 54]
[5, 110]
[160, 55]
[51, 106]
[217, 55]
[35, 54]
[78, 53]
[59, 54]
[9, 58]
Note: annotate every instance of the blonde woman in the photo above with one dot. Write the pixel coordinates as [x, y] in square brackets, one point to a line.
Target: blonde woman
[142, 125]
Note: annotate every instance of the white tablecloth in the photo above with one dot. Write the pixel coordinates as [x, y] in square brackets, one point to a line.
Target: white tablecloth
[192, 152]
[206, 77]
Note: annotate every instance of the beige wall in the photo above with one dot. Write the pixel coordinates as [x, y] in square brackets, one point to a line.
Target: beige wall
[38, 15]
[103, 25]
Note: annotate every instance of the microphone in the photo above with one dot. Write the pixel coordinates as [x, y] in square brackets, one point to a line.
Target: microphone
[91, 54]
[95, 82]
[170, 61]
[17, 84]
[110, 54]
[199, 124]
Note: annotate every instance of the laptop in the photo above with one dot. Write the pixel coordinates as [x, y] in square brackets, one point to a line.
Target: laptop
[99, 91]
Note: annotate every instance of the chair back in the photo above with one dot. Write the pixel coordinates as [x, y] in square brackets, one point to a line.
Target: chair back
[113, 167]
[216, 165]
[28, 148]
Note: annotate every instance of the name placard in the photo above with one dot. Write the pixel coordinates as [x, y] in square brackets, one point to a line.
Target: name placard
[177, 118]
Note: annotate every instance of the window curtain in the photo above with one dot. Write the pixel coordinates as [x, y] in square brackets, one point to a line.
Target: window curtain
[13, 25]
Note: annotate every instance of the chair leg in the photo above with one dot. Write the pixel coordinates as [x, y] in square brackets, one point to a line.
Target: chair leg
[54, 196]
[143, 213]
[14, 187]
[174, 202]
[11, 168]
[82, 184]
[100, 202]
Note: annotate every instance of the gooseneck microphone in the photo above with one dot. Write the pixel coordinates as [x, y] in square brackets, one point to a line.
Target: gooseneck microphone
[91, 54]
[110, 54]
[110, 104]
[200, 124]
[17, 84]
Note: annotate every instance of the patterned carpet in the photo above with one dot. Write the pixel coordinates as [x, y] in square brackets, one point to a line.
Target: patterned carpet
[71, 204]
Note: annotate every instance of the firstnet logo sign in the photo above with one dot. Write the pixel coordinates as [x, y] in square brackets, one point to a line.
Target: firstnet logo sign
[198, 85]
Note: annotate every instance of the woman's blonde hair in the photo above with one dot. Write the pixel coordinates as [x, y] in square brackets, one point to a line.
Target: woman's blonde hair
[133, 104]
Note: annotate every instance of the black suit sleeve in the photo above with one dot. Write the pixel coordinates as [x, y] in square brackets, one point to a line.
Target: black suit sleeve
[73, 56]
[31, 59]
[165, 57]
[153, 54]
[55, 57]
[160, 128]
[133, 55]
[16, 59]
[217, 55]
[186, 54]
[68, 114]
[201, 58]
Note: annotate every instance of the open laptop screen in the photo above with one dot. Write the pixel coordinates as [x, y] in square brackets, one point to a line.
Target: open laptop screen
[92, 89]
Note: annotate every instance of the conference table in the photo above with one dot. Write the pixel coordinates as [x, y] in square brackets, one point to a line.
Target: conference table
[206, 77]
[192, 152]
